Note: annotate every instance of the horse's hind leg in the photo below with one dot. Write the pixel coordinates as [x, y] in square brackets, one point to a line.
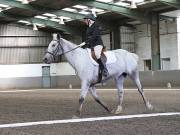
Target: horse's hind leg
[119, 84]
[96, 98]
[135, 77]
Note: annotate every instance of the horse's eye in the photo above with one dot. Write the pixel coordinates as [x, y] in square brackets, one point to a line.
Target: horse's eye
[53, 45]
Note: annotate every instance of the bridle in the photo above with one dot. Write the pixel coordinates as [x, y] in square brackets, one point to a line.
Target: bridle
[54, 54]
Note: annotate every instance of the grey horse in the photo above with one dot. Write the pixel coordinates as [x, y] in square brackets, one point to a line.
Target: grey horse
[78, 58]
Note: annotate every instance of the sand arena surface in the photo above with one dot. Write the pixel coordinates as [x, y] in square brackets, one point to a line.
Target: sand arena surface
[45, 105]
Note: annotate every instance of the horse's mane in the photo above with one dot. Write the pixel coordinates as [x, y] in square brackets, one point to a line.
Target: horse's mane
[72, 44]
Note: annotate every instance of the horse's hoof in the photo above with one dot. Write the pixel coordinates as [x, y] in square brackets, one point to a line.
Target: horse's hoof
[78, 112]
[149, 106]
[117, 111]
[75, 117]
[112, 112]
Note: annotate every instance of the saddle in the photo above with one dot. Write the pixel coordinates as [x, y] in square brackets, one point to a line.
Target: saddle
[103, 56]
[107, 57]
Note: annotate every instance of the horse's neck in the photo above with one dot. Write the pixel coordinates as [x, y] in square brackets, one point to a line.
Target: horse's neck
[71, 55]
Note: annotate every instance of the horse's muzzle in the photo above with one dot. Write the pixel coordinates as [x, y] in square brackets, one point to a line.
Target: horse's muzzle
[45, 60]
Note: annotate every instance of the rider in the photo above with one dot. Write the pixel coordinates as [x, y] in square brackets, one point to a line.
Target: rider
[94, 41]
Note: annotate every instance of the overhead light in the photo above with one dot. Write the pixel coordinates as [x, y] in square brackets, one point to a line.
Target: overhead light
[84, 12]
[81, 6]
[40, 25]
[35, 27]
[133, 4]
[1, 9]
[98, 10]
[93, 10]
[41, 17]
[138, 1]
[54, 20]
[120, 3]
[25, 2]
[106, 1]
[50, 15]
[64, 17]
[4, 6]
[25, 22]
[61, 21]
[70, 9]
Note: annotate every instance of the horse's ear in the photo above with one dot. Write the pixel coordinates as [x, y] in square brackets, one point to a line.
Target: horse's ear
[58, 36]
[55, 36]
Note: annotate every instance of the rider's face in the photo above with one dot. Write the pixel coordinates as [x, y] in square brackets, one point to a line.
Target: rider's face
[86, 21]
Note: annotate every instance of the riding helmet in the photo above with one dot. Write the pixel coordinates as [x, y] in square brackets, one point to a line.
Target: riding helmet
[90, 16]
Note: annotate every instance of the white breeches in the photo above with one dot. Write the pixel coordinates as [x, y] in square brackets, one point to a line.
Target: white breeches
[97, 50]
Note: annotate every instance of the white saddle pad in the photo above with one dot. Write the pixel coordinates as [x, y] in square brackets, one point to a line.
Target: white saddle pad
[111, 58]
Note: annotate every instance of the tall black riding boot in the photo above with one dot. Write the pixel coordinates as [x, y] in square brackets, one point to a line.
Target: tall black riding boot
[103, 68]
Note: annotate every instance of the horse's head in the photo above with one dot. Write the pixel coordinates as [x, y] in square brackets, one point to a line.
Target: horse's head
[54, 49]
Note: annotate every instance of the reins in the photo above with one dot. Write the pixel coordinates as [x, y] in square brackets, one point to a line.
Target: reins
[70, 50]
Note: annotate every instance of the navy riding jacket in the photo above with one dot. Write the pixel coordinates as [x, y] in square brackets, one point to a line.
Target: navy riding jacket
[93, 36]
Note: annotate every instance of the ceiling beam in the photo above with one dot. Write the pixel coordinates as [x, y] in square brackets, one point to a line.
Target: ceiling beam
[173, 3]
[41, 10]
[118, 9]
[52, 24]
[131, 13]
[17, 4]
[72, 15]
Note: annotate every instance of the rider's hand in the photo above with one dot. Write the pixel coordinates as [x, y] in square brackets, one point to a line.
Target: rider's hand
[83, 43]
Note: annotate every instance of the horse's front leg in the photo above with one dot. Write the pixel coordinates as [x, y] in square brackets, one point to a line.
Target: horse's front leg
[96, 98]
[84, 90]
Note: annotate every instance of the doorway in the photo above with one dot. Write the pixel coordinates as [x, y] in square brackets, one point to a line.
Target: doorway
[46, 78]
